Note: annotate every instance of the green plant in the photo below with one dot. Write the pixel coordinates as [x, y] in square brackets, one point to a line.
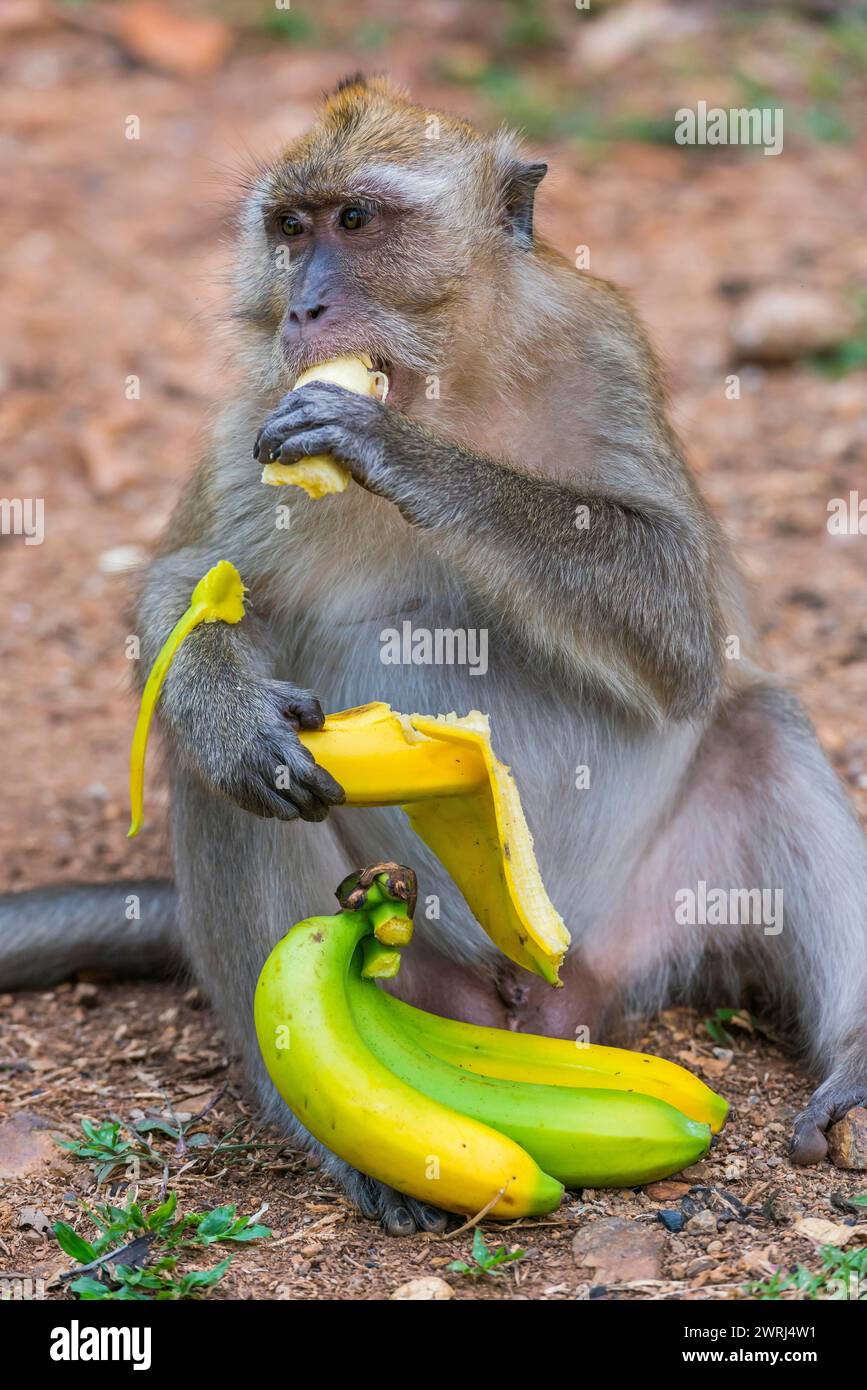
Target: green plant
[128, 1237]
[716, 1025]
[842, 1276]
[485, 1260]
[105, 1148]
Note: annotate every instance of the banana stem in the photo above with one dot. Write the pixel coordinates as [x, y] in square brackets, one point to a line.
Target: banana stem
[378, 962]
[392, 926]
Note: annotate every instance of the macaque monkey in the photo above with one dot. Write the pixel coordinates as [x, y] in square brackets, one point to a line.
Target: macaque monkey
[522, 478]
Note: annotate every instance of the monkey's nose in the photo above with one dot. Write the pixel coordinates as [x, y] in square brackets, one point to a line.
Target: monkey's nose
[306, 313]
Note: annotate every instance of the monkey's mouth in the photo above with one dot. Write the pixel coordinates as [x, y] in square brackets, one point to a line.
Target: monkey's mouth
[395, 375]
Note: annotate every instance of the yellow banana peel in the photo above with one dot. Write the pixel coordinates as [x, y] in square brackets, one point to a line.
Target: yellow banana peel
[320, 475]
[217, 598]
[463, 802]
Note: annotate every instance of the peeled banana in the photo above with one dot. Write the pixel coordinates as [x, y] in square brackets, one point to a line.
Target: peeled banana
[463, 802]
[525, 1057]
[584, 1137]
[361, 1110]
[322, 475]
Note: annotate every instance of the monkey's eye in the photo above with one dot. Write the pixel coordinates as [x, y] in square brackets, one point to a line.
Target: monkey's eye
[291, 226]
[352, 219]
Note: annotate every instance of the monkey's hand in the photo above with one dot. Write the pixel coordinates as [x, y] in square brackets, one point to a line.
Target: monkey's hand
[236, 730]
[321, 418]
[266, 770]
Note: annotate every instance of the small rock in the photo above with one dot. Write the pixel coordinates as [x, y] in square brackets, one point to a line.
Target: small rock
[703, 1223]
[86, 995]
[824, 1232]
[672, 1220]
[735, 1168]
[26, 1145]
[31, 1218]
[121, 559]
[781, 325]
[667, 1191]
[427, 1288]
[847, 1140]
[617, 1251]
[697, 1173]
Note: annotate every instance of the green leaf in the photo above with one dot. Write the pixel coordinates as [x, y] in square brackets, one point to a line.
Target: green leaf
[480, 1249]
[163, 1213]
[216, 1223]
[72, 1244]
[90, 1289]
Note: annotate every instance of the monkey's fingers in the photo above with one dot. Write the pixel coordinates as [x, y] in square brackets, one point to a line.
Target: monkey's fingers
[299, 707]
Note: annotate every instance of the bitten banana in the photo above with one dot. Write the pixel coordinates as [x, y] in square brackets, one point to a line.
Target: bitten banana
[496, 1052]
[322, 475]
[463, 802]
[584, 1137]
[359, 1109]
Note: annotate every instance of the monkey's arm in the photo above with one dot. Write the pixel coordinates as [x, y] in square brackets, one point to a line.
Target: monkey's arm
[616, 584]
[225, 718]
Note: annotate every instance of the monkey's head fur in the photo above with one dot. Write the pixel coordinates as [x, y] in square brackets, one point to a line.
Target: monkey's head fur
[386, 228]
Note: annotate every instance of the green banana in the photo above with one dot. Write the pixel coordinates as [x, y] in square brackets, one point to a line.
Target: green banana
[584, 1137]
[362, 1111]
[497, 1052]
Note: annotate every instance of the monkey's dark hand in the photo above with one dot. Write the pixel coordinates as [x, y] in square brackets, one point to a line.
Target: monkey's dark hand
[269, 771]
[321, 418]
[237, 731]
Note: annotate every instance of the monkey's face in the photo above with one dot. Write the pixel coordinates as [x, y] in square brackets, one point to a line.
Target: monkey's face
[369, 236]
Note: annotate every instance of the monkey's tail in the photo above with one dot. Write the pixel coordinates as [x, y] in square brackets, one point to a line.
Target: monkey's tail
[125, 928]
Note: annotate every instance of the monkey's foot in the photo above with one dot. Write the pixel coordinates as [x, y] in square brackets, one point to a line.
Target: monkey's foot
[398, 1215]
[826, 1106]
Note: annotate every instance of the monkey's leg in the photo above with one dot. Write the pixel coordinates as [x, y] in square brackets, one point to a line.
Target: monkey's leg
[242, 882]
[761, 814]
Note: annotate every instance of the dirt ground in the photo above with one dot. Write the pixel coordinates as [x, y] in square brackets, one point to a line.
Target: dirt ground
[115, 265]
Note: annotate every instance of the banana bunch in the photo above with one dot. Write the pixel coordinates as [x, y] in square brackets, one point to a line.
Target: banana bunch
[363, 1074]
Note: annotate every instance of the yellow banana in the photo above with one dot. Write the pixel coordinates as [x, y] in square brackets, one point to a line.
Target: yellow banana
[353, 1104]
[586, 1137]
[322, 475]
[463, 802]
[525, 1057]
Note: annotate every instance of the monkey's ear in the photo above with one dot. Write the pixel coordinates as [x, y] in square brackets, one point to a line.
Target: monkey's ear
[519, 194]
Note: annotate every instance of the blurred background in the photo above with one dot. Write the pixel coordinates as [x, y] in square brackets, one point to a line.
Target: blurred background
[115, 263]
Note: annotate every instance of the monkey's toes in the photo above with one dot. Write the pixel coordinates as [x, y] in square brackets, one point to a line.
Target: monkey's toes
[808, 1143]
